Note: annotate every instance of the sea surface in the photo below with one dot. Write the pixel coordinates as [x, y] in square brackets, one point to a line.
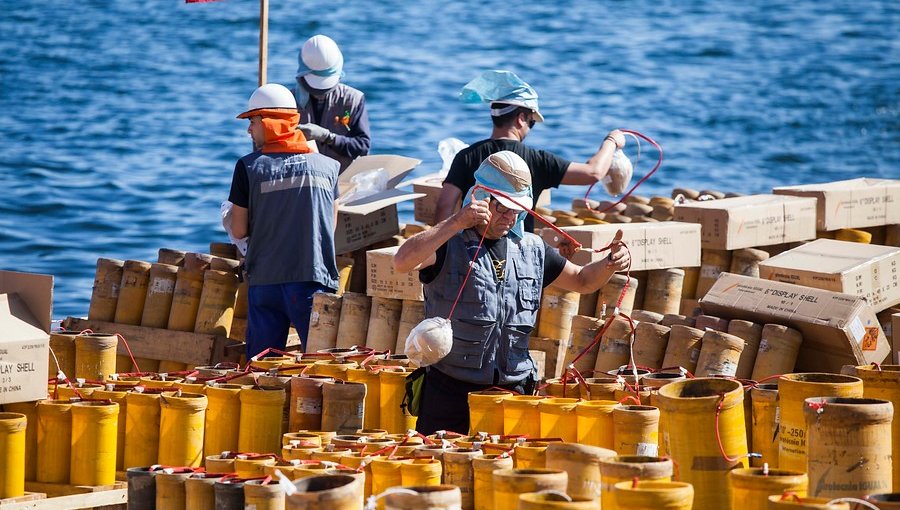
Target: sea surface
[118, 117]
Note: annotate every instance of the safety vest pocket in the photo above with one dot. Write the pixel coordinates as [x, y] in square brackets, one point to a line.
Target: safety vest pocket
[517, 358]
[469, 341]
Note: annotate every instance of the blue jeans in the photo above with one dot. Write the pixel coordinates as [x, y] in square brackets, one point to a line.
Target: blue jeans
[272, 310]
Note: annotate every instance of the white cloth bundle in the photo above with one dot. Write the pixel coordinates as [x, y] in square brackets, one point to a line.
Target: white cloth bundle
[619, 176]
[429, 341]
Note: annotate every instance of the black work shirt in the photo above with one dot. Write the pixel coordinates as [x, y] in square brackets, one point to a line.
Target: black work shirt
[547, 169]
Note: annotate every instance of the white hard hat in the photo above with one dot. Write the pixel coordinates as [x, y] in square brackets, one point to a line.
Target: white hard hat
[321, 62]
[269, 96]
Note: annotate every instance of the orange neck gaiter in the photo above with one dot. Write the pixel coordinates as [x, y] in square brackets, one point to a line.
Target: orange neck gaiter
[281, 132]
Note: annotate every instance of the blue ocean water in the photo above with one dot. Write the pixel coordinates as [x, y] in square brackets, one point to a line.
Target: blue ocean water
[119, 134]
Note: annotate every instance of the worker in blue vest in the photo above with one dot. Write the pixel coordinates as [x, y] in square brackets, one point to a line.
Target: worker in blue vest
[284, 200]
[497, 309]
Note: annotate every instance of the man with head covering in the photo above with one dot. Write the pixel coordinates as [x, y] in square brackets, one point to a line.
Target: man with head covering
[498, 305]
[514, 112]
[331, 113]
[283, 196]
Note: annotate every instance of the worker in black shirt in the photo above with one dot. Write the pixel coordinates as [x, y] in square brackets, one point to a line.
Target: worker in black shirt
[514, 111]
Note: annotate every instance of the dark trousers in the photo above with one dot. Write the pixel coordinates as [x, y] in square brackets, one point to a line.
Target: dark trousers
[273, 308]
[445, 402]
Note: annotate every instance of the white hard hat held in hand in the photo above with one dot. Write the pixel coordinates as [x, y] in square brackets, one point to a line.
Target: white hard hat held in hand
[270, 96]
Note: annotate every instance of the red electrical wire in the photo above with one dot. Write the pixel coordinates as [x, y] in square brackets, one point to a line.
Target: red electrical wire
[719, 435]
[130, 355]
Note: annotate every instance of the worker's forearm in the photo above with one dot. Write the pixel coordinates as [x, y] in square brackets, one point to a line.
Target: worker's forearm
[594, 275]
[601, 159]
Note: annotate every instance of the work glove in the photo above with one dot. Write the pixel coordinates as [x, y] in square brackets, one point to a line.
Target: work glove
[317, 133]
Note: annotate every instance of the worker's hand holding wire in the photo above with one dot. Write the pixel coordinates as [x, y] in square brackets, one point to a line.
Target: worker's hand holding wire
[474, 213]
[618, 259]
[567, 248]
[617, 137]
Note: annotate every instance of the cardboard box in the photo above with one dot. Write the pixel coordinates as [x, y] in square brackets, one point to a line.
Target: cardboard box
[354, 232]
[869, 271]
[26, 302]
[424, 206]
[653, 245]
[384, 281]
[853, 203]
[430, 187]
[372, 218]
[838, 329]
[754, 220]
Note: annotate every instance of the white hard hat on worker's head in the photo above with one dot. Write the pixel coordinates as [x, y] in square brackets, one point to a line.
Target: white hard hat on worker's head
[321, 62]
[270, 96]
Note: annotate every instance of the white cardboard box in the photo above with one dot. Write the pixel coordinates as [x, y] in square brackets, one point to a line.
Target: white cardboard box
[26, 302]
[838, 329]
[384, 281]
[658, 245]
[854, 203]
[754, 220]
[869, 271]
[372, 218]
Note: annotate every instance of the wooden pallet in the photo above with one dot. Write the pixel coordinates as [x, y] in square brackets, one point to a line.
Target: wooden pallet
[195, 349]
[60, 495]
[28, 496]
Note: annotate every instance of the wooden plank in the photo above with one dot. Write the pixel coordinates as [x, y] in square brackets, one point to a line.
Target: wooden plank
[28, 496]
[116, 497]
[163, 344]
[63, 489]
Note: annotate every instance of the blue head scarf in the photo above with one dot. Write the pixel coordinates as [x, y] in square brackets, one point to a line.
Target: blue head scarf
[488, 175]
[500, 87]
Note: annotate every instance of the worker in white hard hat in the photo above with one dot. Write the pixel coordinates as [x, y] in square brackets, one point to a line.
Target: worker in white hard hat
[494, 311]
[331, 113]
[514, 112]
[284, 200]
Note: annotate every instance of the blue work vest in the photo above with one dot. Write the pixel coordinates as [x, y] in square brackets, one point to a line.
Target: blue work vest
[291, 218]
[493, 320]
